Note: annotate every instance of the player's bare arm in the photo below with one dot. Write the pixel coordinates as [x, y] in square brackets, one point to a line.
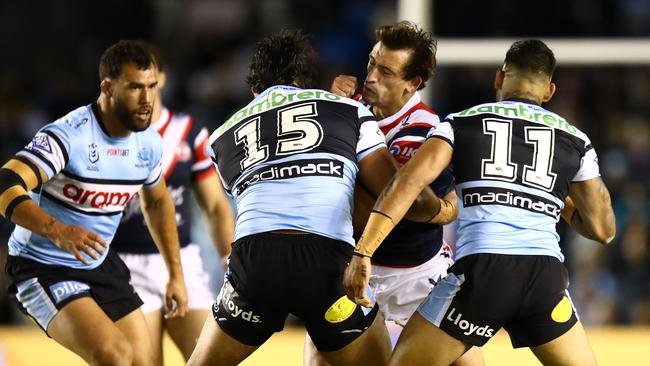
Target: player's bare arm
[159, 213]
[217, 212]
[589, 210]
[19, 176]
[378, 168]
[344, 85]
[393, 203]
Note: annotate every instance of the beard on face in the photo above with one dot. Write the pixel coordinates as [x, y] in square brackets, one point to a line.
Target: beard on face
[129, 119]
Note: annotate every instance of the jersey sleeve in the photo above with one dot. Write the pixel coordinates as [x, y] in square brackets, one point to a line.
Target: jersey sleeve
[50, 148]
[370, 137]
[156, 172]
[443, 131]
[589, 168]
[202, 164]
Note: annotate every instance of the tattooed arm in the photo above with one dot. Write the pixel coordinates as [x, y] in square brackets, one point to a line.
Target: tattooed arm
[589, 210]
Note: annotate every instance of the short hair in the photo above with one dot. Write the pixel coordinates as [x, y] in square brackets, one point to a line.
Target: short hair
[531, 55]
[123, 52]
[283, 58]
[407, 35]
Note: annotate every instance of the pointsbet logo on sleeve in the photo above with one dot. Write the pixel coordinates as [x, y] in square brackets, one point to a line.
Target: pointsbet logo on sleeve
[65, 289]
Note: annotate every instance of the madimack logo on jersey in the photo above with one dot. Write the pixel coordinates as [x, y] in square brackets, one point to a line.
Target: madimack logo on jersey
[293, 169]
[505, 197]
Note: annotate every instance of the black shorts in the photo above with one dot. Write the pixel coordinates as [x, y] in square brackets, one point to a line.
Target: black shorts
[42, 290]
[525, 294]
[271, 275]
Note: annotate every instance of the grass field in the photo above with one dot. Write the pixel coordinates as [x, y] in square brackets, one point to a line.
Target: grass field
[614, 346]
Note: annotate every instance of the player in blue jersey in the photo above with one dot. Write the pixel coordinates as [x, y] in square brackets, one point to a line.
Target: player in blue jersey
[414, 256]
[66, 191]
[186, 168]
[290, 159]
[515, 164]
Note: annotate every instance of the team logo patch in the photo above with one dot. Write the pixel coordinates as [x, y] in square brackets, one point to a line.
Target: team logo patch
[183, 152]
[562, 311]
[93, 154]
[65, 289]
[41, 142]
[342, 309]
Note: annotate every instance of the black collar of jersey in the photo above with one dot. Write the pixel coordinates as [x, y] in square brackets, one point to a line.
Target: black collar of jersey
[521, 100]
[98, 117]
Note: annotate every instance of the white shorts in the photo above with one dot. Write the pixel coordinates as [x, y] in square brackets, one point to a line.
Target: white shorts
[399, 291]
[149, 277]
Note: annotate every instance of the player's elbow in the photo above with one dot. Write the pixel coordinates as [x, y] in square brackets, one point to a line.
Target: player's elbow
[604, 231]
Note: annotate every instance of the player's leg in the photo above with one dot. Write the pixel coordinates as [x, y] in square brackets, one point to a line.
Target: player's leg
[149, 279]
[185, 331]
[370, 348]
[311, 356]
[82, 327]
[134, 327]
[155, 326]
[422, 343]
[571, 348]
[215, 347]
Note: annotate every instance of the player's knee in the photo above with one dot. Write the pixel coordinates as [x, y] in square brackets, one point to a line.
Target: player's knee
[113, 352]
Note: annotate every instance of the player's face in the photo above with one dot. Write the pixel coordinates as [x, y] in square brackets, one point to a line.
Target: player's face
[134, 93]
[385, 85]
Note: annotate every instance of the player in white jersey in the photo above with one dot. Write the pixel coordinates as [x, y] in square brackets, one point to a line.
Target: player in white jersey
[186, 168]
[66, 192]
[290, 159]
[515, 165]
[414, 257]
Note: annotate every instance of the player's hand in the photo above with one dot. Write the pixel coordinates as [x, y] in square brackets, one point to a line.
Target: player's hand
[344, 86]
[355, 280]
[76, 240]
[175, 298]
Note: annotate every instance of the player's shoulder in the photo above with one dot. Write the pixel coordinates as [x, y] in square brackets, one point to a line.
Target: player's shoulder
[419, 115]
[74, 123]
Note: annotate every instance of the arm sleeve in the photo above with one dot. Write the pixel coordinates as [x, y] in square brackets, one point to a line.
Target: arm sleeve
[589, 168]
[370, 137]
[50, 148]
[443, 131]
[156, 148]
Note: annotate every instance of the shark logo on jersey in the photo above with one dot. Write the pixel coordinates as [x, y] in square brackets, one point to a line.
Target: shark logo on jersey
[144, 155]
[41, 142]
[93, 155]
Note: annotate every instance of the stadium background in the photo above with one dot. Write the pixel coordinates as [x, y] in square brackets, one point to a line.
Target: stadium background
[50, 52]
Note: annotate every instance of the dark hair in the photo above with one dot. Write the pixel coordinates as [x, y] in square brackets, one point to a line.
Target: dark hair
[531, 55]
[407, 35]
[123, 52]
[283, 58]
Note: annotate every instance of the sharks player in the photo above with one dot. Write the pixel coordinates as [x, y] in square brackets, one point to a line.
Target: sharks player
[66, 192]
[515, 164]
[290, 159]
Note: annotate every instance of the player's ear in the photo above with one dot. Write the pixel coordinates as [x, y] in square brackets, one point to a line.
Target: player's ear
[413, 85]
[498, 79]
[549, 92]
[162, 79]
[106, 87]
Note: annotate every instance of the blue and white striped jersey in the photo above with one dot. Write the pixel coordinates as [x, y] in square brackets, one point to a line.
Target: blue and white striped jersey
[289, 159]
[92, 176]
[513, 164]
